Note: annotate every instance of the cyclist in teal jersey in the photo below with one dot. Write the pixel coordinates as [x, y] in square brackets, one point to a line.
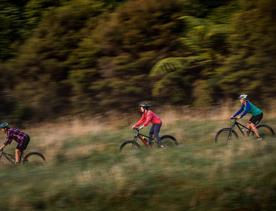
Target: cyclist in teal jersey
[248, 107]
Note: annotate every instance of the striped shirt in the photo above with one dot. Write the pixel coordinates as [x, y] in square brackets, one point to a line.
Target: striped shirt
[16, 135]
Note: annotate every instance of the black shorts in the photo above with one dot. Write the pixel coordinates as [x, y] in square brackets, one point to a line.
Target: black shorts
[256, 119]
[22, 146]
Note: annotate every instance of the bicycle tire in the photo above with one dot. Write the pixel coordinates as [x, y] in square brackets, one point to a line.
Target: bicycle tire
[38, 155]
[265, 130]
[168, 141]
[134, 144]
[226, 130]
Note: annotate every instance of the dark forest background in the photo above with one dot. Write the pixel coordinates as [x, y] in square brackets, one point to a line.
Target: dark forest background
[82, 57]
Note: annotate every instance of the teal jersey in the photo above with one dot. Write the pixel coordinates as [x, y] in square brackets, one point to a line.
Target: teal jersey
[252, 109]
[249, 108]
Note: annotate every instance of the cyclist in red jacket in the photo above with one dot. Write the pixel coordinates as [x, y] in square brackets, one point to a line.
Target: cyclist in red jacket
[148, 116]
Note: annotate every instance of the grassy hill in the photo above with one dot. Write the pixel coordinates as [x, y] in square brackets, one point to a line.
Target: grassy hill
[85, 171]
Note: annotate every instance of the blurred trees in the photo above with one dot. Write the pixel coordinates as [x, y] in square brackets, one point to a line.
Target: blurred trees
[251, 65]
[11, 27]
[87, 56]
[122, 49]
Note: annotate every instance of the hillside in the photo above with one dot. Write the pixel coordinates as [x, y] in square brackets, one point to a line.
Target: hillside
[86, 172]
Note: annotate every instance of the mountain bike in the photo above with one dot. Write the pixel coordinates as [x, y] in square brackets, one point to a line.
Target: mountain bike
[32, 157]
[227, 134]
[147, 141]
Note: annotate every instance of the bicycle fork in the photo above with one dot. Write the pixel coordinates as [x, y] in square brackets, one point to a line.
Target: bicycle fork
[230, 133]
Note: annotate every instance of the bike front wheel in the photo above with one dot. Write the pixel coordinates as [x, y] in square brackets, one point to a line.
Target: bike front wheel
[226, 135]
[168, 141]
[34, 158]
[129, 146]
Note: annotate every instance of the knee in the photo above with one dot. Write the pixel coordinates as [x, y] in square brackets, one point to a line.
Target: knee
[253, 126]
[17, 151]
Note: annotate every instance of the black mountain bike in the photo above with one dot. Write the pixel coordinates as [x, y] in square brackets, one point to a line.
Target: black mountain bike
[32, 157]
[149, 142]
[225, 135]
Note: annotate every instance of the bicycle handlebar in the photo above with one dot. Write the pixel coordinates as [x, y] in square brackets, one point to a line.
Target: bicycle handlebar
[234, 119]
[136, 130]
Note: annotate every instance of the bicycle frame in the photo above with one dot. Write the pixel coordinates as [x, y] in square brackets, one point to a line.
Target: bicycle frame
[240, 127]
[140, 136]
[8, 156]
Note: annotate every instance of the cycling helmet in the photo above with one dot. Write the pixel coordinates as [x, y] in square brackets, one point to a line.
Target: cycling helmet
[145, 105]
[243, 96]
[4, 125]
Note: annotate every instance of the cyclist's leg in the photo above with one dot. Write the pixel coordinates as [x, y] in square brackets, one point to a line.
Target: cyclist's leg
[151, 133]
[156, 132]
[17, 155]
[255, 120]
[21, 147]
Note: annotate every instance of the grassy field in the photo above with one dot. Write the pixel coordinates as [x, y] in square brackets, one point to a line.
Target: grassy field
[85, 171]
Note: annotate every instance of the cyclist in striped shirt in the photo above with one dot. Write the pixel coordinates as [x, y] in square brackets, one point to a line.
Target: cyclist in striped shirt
[15, 134]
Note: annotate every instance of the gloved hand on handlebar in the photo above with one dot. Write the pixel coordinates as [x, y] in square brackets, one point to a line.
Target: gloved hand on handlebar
[138, 128]
[2, 147]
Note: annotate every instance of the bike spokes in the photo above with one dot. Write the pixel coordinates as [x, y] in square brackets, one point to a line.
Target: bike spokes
[266, 131]
[168, 141]
[129, 146]
[226, 135]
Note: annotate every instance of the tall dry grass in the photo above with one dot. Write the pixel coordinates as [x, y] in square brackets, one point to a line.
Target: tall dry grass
[88, 172]
[50, 137]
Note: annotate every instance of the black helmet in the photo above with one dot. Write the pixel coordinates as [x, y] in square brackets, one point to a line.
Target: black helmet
[4, 125]
[145, 105]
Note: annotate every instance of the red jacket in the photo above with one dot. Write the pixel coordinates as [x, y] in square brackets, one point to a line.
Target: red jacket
[148, 117]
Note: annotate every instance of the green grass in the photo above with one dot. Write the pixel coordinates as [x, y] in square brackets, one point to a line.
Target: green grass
[89, 173]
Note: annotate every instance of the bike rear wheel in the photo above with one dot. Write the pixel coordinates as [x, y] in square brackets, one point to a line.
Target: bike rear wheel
[265, 131]
[129, 146]
[226, 135]
[168, 141]
[34, 158]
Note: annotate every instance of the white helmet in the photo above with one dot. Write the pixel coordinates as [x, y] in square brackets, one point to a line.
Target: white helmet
[243, 96]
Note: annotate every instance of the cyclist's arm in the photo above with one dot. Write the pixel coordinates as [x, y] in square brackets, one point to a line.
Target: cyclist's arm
[247, 109]
[3, 146]
[8, 141]
[148, 119]
[140, 121]
[238, 112]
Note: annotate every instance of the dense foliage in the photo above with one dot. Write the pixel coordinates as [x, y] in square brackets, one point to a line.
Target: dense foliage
[86, 56]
